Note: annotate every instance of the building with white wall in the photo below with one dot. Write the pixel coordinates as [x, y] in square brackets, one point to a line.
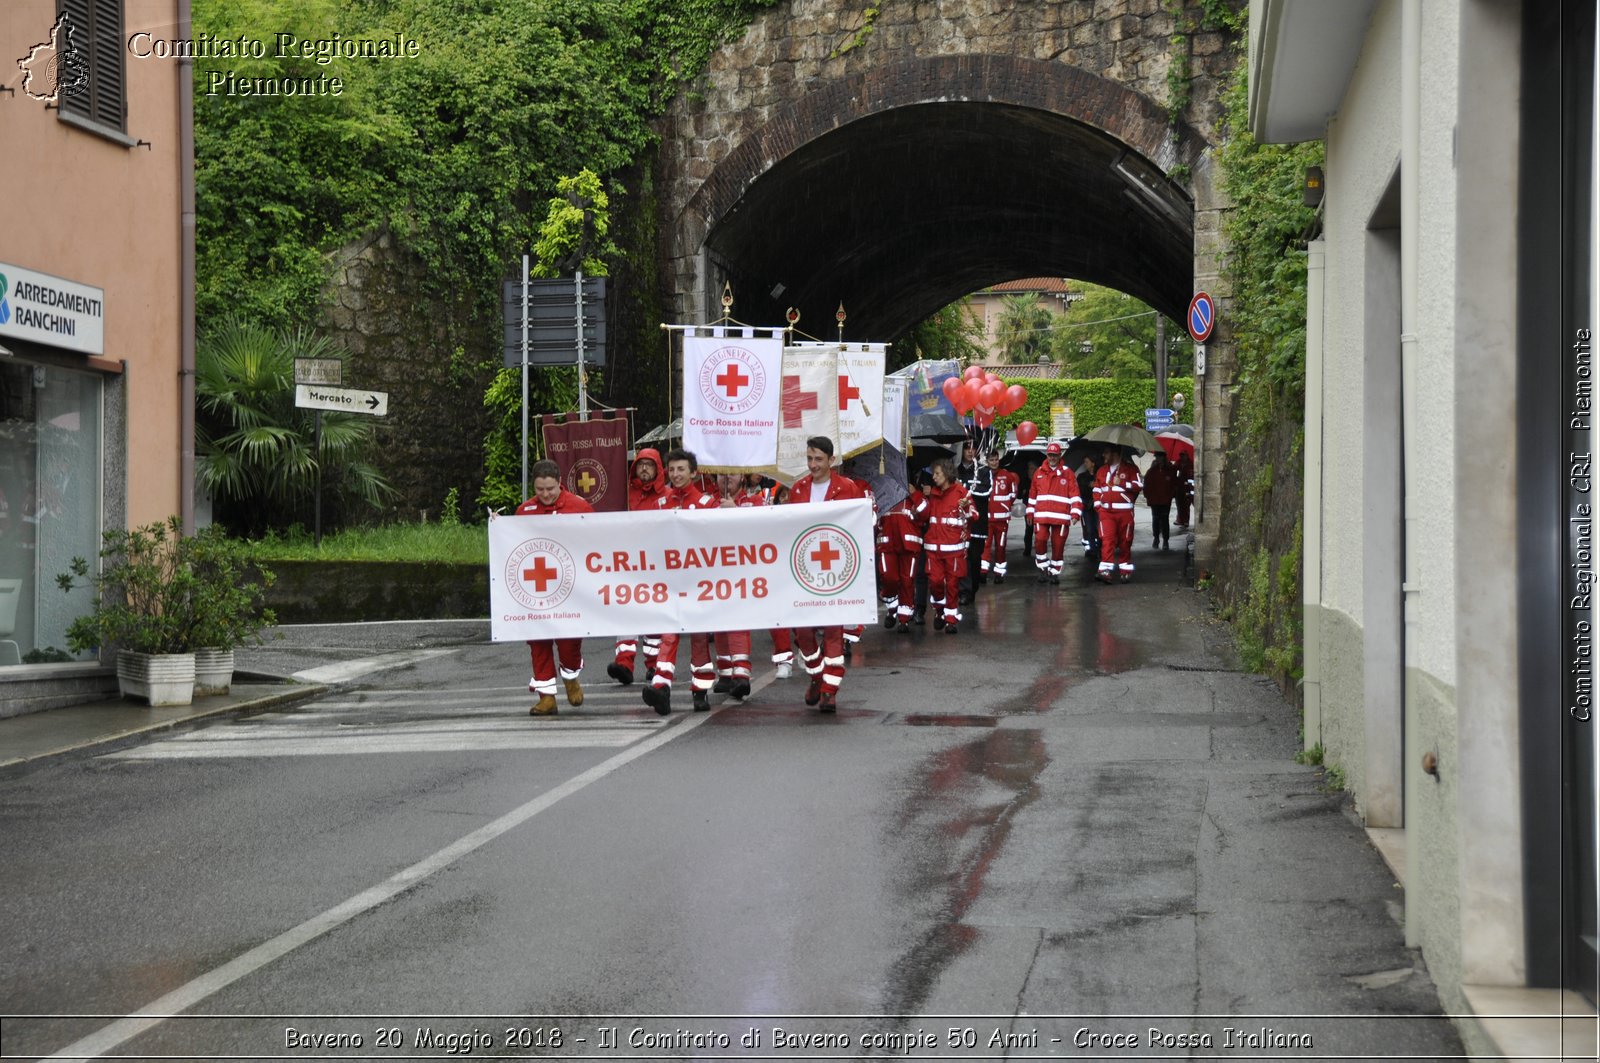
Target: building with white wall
[1445, 292]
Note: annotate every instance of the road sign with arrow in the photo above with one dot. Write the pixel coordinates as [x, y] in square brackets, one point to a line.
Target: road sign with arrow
[347, 400]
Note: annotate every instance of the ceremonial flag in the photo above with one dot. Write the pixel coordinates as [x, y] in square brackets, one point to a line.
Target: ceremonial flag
[732, 399]
[759, 567]
[592, 455]
[931, 415]
[861, 367]
[896, 426]
[810, 404]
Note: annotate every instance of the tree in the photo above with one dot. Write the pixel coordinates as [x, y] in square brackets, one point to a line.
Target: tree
[1024, 329]
[949, 332]
[1107, 333]
[256, 451]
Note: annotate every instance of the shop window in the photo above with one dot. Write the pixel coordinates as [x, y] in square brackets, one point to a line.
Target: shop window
[50, 491]
[97, 41]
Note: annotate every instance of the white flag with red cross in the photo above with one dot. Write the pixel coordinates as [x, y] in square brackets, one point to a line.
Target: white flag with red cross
[861, 367]
[732, 399]
[810, 404]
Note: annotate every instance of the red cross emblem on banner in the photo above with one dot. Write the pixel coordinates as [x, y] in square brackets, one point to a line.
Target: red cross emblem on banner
[847, 391]
[825, 555]
[732, 380]
[540, 574]
[586, 482]
[796, 402]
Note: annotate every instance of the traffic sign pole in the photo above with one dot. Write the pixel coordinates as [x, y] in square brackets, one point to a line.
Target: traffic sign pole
[316, 450]
[525, 315]
[583, 372]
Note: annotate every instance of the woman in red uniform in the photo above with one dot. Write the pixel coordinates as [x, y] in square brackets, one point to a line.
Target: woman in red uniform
[549, 497]
[945, 512]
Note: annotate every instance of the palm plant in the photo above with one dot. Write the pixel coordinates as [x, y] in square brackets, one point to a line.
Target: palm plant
[256, 451]
[1024, 328]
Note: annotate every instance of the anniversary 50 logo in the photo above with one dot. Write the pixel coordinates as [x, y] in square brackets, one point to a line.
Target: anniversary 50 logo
[732, 379]
[540, 573]
[825, 559]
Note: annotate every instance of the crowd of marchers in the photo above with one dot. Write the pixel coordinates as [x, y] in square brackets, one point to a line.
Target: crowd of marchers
[935, 548]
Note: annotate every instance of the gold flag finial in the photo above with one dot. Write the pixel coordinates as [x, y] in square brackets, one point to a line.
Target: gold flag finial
[727, 298]
[839, 317]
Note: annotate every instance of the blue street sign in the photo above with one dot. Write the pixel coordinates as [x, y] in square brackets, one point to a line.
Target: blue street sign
[1157, 420]
[1202, 317]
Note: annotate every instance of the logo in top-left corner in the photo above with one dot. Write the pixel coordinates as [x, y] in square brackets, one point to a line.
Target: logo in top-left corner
[56, 67]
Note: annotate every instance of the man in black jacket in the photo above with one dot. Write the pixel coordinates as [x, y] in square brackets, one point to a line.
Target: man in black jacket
[979, 482]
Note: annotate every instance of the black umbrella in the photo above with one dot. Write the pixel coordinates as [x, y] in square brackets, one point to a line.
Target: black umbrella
[884, 469]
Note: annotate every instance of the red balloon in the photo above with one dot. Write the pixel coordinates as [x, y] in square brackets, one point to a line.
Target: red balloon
[990, 395]
[1018, 396]
[1027, 432]
[973, 371]
[992, 379]
[973, 390]
[950, 386]
[983, 420]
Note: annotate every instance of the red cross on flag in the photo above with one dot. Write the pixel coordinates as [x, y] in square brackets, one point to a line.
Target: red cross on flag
[812, 391]
[861, 368]
[732, 397]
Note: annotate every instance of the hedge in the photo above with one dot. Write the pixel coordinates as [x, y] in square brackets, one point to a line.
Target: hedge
[1094, 402]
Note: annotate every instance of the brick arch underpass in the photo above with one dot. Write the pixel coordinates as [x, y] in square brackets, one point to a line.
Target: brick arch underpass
[902, 188]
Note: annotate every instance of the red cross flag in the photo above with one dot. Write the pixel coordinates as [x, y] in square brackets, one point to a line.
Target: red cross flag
[731, 399]
[861, 367]
[812, 393]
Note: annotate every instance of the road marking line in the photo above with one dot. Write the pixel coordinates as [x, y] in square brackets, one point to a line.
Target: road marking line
[187, 996]
[343, 671]
[315, 746]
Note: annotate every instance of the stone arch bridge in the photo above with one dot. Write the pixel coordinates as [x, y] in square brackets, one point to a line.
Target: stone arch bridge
[894, 158]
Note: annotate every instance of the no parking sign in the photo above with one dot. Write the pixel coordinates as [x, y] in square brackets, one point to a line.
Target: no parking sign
[1202, 317]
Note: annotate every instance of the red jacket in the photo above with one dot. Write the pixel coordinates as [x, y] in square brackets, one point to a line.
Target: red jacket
[898, 532]
[645, 495]
[689, 496]
[1161, 484]
[839, 487]
[752, 496]
[1115, 488]
[1004, 493]
[945, 514]
[1186, 474]
[1053, 496]
[566, 502]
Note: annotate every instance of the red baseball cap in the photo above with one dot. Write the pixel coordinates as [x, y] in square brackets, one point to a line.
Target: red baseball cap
[1053, 448]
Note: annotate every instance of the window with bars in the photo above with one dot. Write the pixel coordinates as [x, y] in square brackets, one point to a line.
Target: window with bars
[96, 35]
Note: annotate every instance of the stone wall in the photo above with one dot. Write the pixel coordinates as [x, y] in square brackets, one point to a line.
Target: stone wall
[434, 356]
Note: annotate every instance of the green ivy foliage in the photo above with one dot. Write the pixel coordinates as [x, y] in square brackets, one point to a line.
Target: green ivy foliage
[1094, 402]
[455, 151]
[1265, 232]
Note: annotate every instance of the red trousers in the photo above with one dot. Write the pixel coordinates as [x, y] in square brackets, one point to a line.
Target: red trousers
[900, 583]
[826, 660]
[944, 581]
[1116, 540]
[994, 549]
[703, 672]
[628, 648]
[544, 653]
[733, 654]
[1049, 543]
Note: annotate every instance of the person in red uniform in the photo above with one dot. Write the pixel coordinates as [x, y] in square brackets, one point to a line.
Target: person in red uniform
[1001, 497]
[945, 512]
[549, 497]
[824, 664]
[756, 490]
[849, 470]
[899, 548]
[1185, 497]
[1160, 488]
[1116, 486]
[733, 647]
[1053, 504]
[645, 488]
[683, 492]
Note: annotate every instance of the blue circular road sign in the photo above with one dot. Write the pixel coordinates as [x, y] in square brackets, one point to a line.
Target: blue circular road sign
[1202, 317]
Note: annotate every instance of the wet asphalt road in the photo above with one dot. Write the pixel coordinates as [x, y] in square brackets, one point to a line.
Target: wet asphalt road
[1074, 823]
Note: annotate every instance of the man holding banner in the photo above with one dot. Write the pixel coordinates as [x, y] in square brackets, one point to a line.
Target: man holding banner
[683, 492]
[549, 497]
[646, 487]
[825, 665]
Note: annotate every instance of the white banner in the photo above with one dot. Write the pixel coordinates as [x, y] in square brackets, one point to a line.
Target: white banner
[810, 404]
[896, 427]
[760, 567]
[732, 398]
[861, 367]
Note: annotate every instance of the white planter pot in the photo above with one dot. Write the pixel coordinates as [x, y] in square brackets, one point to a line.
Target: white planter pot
[159, 678]
[213, 672]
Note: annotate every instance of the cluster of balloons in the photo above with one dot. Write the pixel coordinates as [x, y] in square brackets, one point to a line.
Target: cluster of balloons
[984, 395]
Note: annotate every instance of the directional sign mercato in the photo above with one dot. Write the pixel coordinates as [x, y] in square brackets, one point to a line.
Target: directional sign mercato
[345, 400]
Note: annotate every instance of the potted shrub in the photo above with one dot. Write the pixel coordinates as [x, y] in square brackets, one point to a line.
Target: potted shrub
[229, 607]
[158, 598]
